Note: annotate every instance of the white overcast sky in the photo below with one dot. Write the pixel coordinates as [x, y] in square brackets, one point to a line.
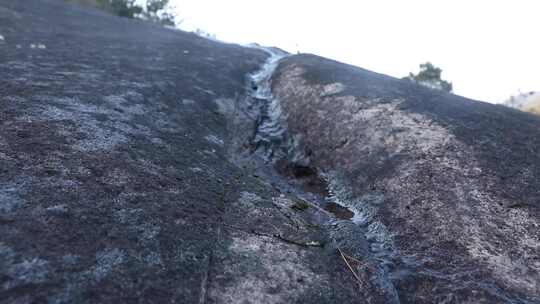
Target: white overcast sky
[488, 49]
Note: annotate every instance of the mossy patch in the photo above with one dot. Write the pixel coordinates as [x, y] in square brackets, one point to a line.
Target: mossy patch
[300, 206]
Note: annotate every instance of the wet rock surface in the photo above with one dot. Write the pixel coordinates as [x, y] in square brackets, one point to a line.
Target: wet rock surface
[119, 178]
[148, 165]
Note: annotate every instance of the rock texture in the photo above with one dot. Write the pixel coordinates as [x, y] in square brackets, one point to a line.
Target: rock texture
[116, 182]
[446, 187]
[132, 170]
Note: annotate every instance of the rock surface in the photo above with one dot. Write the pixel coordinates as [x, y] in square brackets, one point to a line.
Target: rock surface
[116, 182]
[446, 187]
[132, 170]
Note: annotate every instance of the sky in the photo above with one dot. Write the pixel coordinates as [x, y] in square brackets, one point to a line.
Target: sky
[489, 50]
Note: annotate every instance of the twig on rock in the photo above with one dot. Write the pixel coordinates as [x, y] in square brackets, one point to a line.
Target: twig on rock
[280, 237]
[344, 257]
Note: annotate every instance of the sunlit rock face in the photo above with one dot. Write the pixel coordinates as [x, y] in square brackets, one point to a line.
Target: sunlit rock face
[528, 102]
[448, 186]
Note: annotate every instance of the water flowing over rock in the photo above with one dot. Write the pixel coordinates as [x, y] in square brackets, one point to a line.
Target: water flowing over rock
[145, 164]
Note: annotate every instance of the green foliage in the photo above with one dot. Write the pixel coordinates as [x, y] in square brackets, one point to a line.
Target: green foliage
[153, 10]
[123, 8]
[430, 76]
[154, 6]
[300, 206]
[158, 11]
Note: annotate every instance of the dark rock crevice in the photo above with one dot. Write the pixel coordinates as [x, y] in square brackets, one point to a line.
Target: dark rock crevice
[279, 151]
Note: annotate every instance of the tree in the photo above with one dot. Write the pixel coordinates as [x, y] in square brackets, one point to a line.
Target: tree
[123, 8]
[153, 10]
[159, 11]
[430, 76]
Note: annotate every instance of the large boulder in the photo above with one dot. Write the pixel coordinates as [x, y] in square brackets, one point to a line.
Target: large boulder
[446, 187]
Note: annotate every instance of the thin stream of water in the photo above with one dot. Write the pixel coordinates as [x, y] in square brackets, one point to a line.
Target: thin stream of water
[272, 140]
